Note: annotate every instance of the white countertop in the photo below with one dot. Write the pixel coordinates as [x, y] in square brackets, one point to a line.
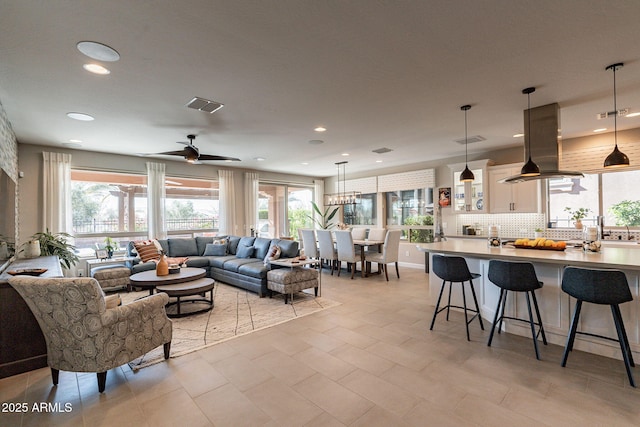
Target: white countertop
[608, 257]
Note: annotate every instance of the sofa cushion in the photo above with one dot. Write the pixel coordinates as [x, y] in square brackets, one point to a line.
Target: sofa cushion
[183, 247]
[245, 251]
[253, 269]
[288, 248]
[201, 243]
[262, 247]
[219, 261]
[235, 264]
[147, 250]
[198, 261]
[234, 241]
[215, 249]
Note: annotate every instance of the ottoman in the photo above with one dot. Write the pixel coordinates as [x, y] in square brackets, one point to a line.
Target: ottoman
[287, 281]
[112, 277]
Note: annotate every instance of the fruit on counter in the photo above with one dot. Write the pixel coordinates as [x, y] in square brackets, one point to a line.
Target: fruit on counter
[540, 242]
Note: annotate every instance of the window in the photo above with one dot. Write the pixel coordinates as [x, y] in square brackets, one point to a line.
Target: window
[614, 195]
[411, 211]
[283, 209]
[363, 213]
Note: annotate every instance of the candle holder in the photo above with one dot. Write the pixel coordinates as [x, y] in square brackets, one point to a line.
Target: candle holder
[494, 241]
[591, 239]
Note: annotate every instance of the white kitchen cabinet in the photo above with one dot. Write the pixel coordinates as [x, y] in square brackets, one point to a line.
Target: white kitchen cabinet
[523, 197]
[470, 197]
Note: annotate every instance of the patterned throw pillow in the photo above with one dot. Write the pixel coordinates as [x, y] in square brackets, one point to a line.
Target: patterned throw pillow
[273, 254]
[147, 250]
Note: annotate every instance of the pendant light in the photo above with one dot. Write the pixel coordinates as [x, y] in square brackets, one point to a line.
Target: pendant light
[617, 158]
[466, 175]
[530, 168]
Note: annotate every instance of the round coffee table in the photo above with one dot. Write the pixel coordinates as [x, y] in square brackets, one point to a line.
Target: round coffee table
[149, 279]
[187, 289]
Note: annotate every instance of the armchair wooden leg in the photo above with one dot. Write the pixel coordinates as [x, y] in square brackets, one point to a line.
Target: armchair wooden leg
[102, 381]
[397, 271]
[167, 349]
[386, 271]
[55, 374]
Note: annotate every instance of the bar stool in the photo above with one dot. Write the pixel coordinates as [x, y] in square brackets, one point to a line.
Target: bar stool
[606, 287]
[516, 277]
[454, 269]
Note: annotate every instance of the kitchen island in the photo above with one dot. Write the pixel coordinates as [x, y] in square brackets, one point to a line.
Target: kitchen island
[556, 307]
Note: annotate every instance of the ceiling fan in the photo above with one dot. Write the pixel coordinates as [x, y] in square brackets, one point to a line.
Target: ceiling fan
[192, 154]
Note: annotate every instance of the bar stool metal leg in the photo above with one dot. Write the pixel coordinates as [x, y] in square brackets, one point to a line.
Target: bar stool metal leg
[572, 333]
[617, 319]
[541, 330]
[496, 316]
[437, 310]
[475, 300]
[533, 329]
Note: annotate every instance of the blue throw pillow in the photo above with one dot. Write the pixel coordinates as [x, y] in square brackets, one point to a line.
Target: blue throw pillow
[213, 249]
[244, 251]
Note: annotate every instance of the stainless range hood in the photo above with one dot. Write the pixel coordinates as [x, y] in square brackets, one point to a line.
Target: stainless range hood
[546, 147]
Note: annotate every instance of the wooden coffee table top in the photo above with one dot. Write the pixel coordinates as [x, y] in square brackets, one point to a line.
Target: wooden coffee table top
[150, 278]
[191, 287]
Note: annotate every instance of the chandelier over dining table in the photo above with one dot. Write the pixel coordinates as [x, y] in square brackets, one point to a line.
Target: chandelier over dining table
[343, 197]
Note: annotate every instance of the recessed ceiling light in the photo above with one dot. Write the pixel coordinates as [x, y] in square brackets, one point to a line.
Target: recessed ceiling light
[75, 140]
[98, 51]
[378, 161]
[71, 145]
[599, 130]
[345, 154]
[518, 135]
[96, 69]
[80, 116]
[304, 163]
[320, 129]
[260, 159]
[633, 115]
[316, 142]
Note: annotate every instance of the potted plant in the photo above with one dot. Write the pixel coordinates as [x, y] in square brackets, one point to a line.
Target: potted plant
[577, 215]
[110, 246]
[56, 244]
[538, 232]
[325, 218]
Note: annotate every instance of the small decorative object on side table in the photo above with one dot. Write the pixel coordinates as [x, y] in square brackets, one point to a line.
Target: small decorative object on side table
[101, 254]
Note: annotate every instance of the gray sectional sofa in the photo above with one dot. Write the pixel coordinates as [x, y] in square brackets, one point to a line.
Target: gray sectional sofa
[234, 268]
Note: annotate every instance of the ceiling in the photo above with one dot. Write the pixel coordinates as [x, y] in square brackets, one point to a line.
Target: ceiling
[374, 73]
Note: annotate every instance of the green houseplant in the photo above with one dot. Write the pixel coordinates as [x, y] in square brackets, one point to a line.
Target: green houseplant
[57, 244]
[325, 218]
[110, 246]
[577, 215]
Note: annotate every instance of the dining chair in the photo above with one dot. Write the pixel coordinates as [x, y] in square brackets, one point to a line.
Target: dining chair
[326, 248]
[359, 233]
[309, 243]
[346, 251]
[389, 254]
[377, 233]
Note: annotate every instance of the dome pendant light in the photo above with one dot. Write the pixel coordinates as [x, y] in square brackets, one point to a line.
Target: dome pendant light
[530, 168]
[466, 175]
[617, 158]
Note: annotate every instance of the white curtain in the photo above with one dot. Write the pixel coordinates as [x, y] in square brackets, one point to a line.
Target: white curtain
[227, 202]
[56, 194]
[155, 200]
[318, 195]
[251, 188]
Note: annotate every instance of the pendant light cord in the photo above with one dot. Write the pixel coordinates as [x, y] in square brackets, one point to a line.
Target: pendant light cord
[466, 143]
[615, 108]
[529, 119]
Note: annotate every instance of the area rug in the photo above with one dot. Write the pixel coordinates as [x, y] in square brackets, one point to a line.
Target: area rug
[236, 312]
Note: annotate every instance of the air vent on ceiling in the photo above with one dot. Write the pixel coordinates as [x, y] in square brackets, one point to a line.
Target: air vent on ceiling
[205, 105]
[621, 113]
[382, 150]
[470, 140]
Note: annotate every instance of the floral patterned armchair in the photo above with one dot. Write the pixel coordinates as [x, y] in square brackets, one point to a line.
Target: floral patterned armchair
[82, 335]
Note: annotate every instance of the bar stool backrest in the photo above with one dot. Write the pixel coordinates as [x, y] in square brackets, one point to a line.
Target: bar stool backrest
[513, 276]
[596, 286]
[451, 268]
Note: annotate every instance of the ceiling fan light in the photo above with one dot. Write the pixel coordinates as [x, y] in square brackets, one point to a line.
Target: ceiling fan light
[467, 175]
[616, 159]
[530, 169]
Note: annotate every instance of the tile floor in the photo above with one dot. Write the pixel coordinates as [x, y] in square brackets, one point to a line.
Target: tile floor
[371, 361]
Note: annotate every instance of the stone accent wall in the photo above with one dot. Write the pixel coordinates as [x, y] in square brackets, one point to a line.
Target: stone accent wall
[9, 154]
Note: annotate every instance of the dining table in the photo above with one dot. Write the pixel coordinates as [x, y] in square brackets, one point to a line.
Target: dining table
[363, 244]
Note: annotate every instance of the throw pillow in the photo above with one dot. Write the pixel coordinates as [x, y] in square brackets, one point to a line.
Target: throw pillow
[147, 250]
[213, 249]
[244, 252]
[274, 253]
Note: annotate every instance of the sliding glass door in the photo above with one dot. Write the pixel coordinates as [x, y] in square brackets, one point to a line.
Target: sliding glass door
[283, 209]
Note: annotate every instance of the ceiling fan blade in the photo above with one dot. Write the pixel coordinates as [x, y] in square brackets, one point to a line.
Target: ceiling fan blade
[174, 153]
[212, 157]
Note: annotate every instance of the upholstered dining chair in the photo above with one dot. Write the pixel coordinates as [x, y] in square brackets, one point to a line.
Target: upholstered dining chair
[389, 253]
[377, 233]
[83, 335]
[327, 250]
[346, 251]
[359, 233]
[309, 243]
